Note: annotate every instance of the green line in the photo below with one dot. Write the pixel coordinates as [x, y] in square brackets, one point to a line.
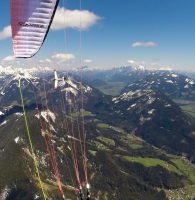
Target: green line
[30, 141]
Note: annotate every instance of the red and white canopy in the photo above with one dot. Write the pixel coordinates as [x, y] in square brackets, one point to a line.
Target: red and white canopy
[30, 22]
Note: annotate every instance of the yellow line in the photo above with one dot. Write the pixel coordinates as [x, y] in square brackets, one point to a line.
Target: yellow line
[30, 141]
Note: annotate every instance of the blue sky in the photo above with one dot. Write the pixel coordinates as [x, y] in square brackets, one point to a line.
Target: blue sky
[155, 33]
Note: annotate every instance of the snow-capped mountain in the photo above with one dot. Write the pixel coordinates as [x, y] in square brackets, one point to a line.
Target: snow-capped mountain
[125, 73]
[9, 85]
[118, 131]
[39, 91]
[172, 84]
[157, 119]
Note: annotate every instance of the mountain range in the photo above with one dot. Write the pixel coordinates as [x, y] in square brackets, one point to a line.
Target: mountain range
[140, 142]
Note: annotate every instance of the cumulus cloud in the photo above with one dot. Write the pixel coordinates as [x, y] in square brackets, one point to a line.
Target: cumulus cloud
[87, 61]
[64, 18]
[144, 44]
[9, 59]
[5, 33]
[63, 57]
[76, 19]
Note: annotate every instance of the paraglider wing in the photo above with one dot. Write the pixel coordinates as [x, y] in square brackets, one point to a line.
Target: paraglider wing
[30, 22]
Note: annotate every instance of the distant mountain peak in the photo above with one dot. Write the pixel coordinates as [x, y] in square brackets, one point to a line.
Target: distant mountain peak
[172, 84]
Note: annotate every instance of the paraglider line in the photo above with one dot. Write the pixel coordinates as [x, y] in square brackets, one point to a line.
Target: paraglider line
[30, 141]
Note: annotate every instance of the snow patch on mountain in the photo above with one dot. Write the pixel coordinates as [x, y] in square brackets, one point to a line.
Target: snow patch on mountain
[150, 100]
[174, 75]
[186, 86]
[133, 105]
[150, 112]
[144, 119]
[70, 83]
[4, 123]
[18, 140]
[70, 90]
[18, 114]
[87, 89]
[169, 81]
[23, 75]
[5, 193]
[172, 84]
[47, 115]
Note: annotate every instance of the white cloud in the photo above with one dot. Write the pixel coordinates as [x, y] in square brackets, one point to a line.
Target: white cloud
[63, 57]
[64, 18]
[131, 62]
[47, 60]
[144, 44]
[87, 61]
[9, 59]
[166, 68]
[76, 19]
[5, 33]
